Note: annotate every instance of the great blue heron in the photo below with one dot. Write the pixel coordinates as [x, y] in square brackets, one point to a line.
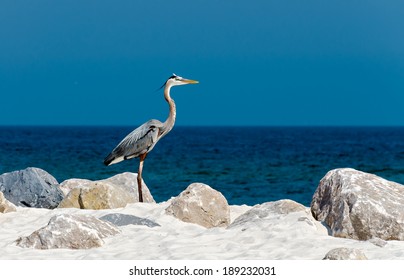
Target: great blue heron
[142, 140]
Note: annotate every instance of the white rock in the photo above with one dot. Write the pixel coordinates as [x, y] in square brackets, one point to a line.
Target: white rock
[202, 205]
[265, 213]
[360, 205]
[69, 231]
[345, 254]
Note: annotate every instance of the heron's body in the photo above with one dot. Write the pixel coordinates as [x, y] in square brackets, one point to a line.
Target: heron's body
[142, 140]
[138, 142]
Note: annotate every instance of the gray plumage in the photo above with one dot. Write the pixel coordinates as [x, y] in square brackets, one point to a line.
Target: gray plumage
[142, 140]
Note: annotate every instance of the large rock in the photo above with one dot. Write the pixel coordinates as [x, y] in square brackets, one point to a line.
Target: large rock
[202, 205]
[262, 211]
[69, 232]
[5, 205]
[97, 195]
[345, 254]
[114, 192]
[359, 205]
[280, 220]
[70, 184]
[31, 187]
[128, 181]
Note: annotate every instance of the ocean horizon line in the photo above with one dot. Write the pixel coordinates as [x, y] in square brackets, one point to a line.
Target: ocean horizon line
[196, 126]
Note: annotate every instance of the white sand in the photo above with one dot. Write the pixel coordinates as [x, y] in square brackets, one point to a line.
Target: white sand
[284, 237]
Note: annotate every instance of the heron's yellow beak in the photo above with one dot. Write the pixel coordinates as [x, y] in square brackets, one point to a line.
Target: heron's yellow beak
[190, 81]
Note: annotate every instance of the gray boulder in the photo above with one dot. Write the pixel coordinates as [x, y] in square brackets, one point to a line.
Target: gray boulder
[202, 205]
[5, 205]
[31, 187]
[119, 219]
[69, 232]
[345, 254]
[360, 205]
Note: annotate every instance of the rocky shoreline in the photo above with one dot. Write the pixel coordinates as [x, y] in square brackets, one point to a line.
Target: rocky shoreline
[349, 207]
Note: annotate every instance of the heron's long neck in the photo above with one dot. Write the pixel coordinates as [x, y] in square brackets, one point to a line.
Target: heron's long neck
[169, 123]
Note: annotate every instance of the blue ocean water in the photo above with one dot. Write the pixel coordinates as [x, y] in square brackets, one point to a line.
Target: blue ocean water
[249, 165]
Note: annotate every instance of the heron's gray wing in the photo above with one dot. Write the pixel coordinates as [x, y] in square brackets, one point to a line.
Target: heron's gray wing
[139, 141]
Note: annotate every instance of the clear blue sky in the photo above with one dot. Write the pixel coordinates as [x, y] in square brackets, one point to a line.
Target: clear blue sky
[266, 62]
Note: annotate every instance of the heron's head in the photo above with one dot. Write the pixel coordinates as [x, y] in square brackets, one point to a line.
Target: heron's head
[175, 80]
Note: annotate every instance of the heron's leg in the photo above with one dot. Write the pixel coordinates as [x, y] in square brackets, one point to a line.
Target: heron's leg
[139, 177]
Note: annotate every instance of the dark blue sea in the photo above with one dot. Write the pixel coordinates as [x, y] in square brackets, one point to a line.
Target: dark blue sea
[249, 165]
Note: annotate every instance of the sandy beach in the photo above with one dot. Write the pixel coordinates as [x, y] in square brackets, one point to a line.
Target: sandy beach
[293, 236]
